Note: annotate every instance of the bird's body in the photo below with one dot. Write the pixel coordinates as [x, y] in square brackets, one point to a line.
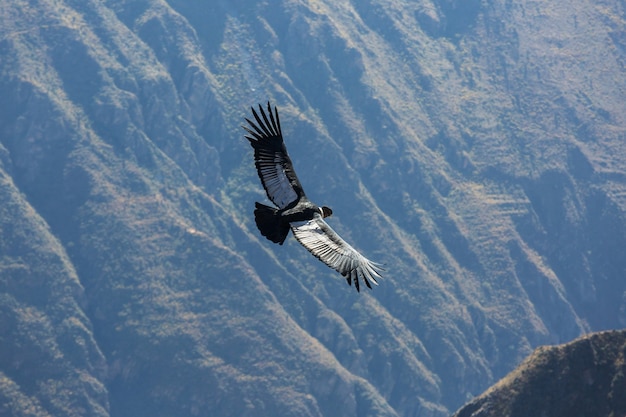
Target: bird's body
[274, 224]
[294, 211]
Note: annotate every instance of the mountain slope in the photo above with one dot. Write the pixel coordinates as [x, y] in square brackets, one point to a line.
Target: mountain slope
[584, 378]
[475, 149]
[50, 363]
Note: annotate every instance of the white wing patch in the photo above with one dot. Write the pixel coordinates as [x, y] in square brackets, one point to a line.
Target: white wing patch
[272, 173]
[272, 161]
[326, 245]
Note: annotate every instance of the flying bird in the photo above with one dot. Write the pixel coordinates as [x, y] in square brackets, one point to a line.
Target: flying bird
[294, 211]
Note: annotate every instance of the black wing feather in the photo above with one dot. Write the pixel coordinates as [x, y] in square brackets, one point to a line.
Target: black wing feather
[272, 161]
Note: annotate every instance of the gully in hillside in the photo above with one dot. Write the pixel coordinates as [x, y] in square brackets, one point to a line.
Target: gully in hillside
[295, 211]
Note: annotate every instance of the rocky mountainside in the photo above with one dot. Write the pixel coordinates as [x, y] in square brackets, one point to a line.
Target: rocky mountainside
[475, 148]
[586, 377]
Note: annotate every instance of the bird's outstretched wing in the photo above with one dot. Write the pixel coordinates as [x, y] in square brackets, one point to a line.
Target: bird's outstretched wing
[327, 246]
[271, 159]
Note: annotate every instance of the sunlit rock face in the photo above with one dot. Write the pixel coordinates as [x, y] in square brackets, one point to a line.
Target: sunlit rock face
[584, 377]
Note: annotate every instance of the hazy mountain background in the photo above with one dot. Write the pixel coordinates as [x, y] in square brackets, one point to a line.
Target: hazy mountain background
[476, 148]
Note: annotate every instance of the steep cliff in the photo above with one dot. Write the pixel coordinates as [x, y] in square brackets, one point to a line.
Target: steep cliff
[583, 378]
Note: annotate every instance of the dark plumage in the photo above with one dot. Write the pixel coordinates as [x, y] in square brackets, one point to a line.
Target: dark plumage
[294, 210]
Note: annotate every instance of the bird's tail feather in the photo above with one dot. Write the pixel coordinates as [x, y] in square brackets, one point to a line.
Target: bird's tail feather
[269, 223]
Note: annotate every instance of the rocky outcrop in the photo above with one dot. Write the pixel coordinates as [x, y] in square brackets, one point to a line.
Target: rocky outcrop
[586, 378]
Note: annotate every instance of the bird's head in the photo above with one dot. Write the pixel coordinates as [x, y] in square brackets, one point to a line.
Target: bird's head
[326, 211]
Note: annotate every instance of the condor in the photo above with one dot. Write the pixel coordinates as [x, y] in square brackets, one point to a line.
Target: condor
[293, 209]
